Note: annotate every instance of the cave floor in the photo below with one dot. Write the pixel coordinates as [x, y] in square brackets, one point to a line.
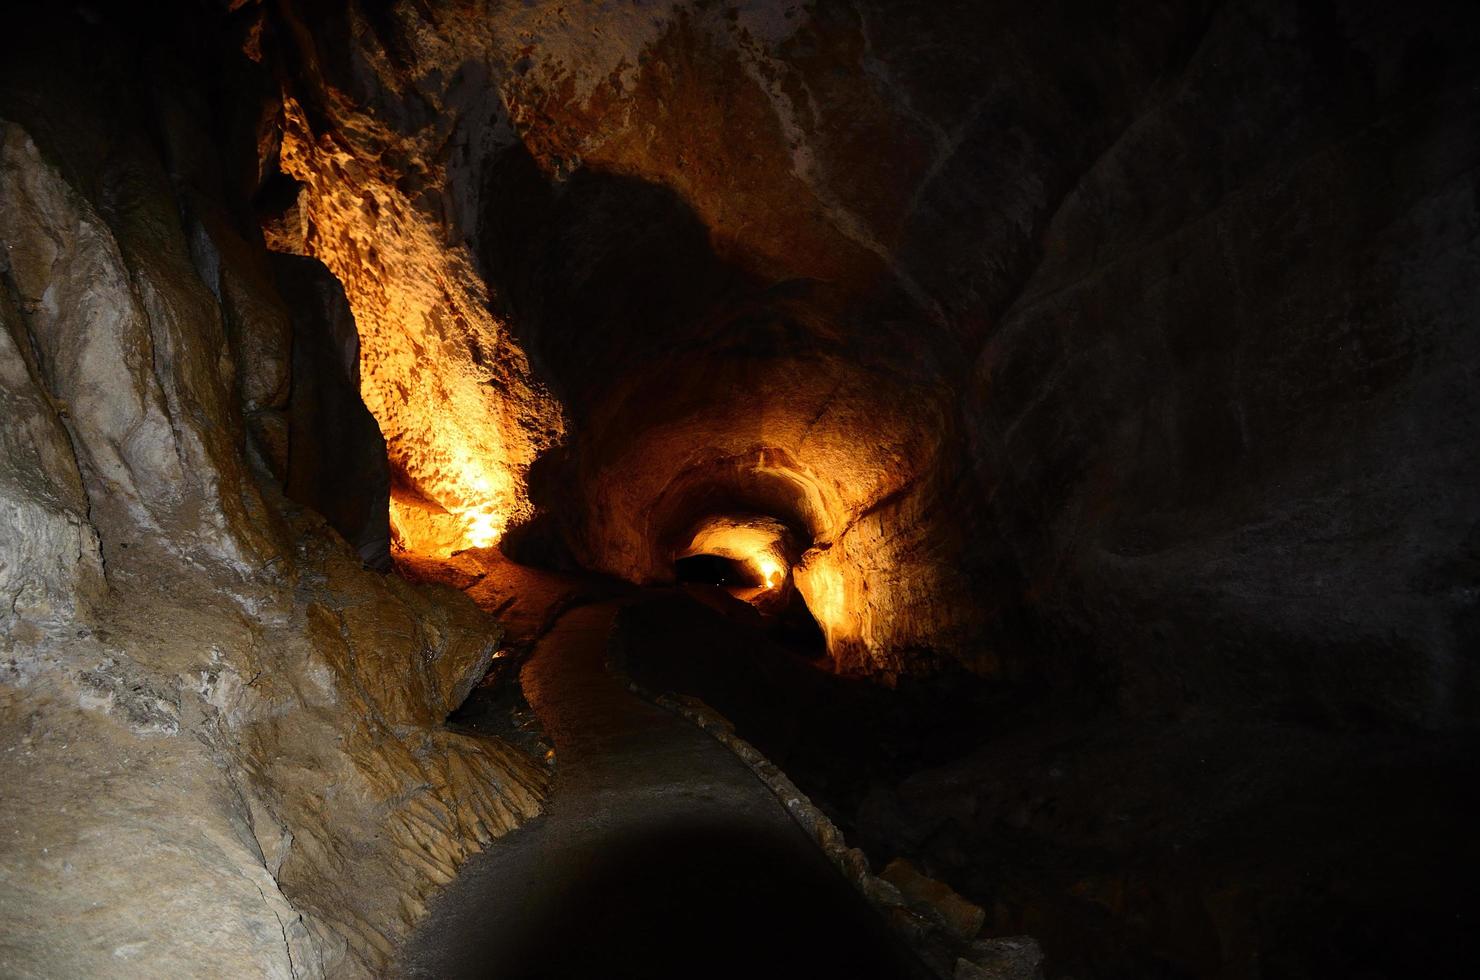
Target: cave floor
[660, 855]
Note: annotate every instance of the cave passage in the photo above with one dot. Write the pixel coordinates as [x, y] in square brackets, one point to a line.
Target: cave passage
[718, 570]
[567, 489]
[660, 856]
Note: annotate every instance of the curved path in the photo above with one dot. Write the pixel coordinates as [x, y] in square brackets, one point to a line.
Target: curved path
[660, 855]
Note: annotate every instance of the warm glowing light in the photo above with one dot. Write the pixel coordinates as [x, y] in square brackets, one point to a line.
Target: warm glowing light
[755, 541]
[483, 529]
[483, 522]
[444, 379]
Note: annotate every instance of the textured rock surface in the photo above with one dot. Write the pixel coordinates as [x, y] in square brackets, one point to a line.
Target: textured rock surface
[223, 747]
[451, 390]
[1121, 353]
[52, 568]
[104, 311]
[970, 299]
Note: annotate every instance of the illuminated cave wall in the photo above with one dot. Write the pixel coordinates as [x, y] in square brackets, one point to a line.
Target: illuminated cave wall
[394, 140]
[452, 391]
[1042, 361]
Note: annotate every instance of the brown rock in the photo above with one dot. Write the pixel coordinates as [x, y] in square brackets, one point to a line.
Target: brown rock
[963, 918]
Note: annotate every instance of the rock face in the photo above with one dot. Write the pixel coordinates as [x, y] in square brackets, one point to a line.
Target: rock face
[224, 749]
[1050, 381]
[1108, 354]
[52, 568]
[451, 390]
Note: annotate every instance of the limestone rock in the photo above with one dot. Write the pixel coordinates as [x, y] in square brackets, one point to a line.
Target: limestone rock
[102, 327]
[228, 757]
[50, 565]
[1014, 958]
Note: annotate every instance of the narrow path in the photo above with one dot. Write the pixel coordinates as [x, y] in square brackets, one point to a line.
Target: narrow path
[660, 855]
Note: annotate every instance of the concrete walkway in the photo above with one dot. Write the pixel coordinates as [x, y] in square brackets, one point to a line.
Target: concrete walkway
[660, 855]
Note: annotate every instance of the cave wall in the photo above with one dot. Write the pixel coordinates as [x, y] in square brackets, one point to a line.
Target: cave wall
[1126, 348]
[225, 750]
[1226, 428]
[448, 385]
[1119, 346]
[680, 350]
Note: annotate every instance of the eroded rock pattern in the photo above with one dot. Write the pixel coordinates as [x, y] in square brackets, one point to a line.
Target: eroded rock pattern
[223, 742]
[996, 306]
[1121, 351]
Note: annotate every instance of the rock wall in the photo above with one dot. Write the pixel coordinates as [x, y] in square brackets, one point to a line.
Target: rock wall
[1115, 346]
[1224, 428]
[224, 749]
[449, 386]
[52, 570]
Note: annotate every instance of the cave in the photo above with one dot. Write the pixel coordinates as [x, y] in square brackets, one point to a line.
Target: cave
[740, 489]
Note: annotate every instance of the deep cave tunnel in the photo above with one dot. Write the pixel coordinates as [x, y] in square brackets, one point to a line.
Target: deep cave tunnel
[740, 489]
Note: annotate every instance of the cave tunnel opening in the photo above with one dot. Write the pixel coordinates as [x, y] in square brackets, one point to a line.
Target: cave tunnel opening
[718, 437]
[729, 573]
[967, 525]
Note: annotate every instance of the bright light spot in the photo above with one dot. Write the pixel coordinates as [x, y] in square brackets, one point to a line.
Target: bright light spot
[483, 525]
[771, 570]
[483, 529]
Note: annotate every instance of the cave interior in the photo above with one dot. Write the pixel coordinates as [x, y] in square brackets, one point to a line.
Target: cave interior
[768, 488]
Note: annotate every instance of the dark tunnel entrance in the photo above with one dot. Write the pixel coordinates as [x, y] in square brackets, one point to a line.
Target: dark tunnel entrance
[777, 607]
[717, 570]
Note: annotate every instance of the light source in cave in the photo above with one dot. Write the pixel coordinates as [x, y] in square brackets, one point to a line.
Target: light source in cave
[761, 544]
[484, 525]
[484, 529]
[471, 512]
[429, 347]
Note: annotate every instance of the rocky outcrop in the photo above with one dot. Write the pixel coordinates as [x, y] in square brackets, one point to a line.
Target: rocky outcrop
[103, 312]
[225, 752]
[52, 570]
[448, 384]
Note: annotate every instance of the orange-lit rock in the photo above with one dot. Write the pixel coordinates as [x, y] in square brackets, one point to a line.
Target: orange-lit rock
[450, 388]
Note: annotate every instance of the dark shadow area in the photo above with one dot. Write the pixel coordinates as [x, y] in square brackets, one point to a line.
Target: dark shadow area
[660, 855]
[1204, 847]
[716, 570]
[336, 455]
[698, 900]
[1131, 848]
[794, 626]
[598, 273]
[835, 736]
